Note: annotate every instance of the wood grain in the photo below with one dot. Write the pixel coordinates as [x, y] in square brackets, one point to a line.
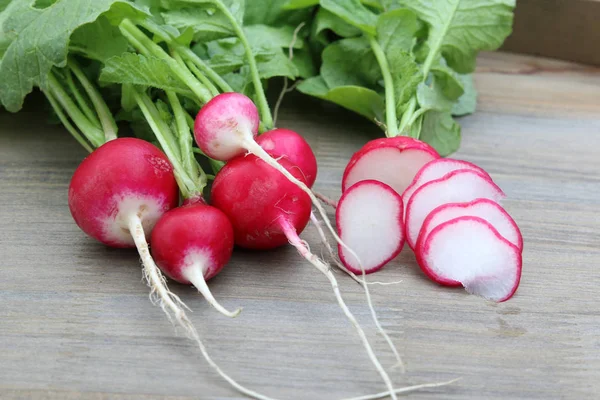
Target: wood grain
[76, 323]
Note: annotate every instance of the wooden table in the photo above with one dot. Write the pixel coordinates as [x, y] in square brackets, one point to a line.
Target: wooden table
[76, 323]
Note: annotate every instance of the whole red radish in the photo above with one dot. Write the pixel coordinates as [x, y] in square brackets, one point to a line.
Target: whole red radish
[121, 189]
[191, 244]
[394, 161]
[293, 147]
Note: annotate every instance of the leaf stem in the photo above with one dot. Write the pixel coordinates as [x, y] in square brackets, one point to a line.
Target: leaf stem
[167, 141]
[91, 132]
[263, 105]
[65, 121]
[390, 98]
[201, 77]
[137, 38]
[106, 118]
[83, 105]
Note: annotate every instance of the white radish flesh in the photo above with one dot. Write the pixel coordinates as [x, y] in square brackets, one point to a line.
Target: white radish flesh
[369, 221]
[486, 209]
[389, 165]
[458, 186]
[471, 251]
[437, 169]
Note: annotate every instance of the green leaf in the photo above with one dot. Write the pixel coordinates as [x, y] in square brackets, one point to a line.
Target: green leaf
[353, 12]
[206, 24]
[407, 76]
[274, 13]
[448, 81]
[467, 103]
[396, 30]
[441, 131]
[137, 69]
[99, 40]
[350, 62]
[268, 37]
[326, 20]
[363, 101]
[431, 97]
[459, 29]
[304, 63]
[41, 42]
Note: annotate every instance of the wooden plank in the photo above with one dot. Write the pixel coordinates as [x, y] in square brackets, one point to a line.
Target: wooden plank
[564, 29]
[76, 322]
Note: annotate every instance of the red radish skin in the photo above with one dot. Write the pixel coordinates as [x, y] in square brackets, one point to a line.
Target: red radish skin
[437, 169]
[267, 211]
[486, 209]
[393, 161]
[369, 220]
[457, 186]
[293, 147]
[471, 251]
[123, 179]
[191, 244]
[253, 195]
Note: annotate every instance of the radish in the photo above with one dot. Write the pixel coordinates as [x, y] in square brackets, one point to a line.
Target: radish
[470, 250]
[289, 144]
[438, 169]
[393, 161]
[457, 186]
[266, 211]
[369, 220]
[191, 244]
[486, 209]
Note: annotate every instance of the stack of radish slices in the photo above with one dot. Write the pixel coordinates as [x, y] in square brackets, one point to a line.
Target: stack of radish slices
[448, 211]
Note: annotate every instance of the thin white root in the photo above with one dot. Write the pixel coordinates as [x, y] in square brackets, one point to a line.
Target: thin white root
[195, 275]
[364, 284]
[404, 390]
[172, 305]
[304, 251]
[330, 202]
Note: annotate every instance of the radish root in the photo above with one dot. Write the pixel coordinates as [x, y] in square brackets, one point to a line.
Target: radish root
[195, 276]
[365, 285]
[172, 305]
[304, 251]
[330, 202]
[404, 390]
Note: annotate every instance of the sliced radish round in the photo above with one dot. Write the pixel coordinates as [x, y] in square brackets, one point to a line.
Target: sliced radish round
[369, 221]
[455, 187]
[470, 250]
[437, 169]
[486, 209]
[393, 161]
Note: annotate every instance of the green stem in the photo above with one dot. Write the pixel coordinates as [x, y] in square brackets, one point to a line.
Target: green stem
[83, 105]
[65, 121]
[185, 143]
[143, 44]
[106, 118]
[189, 55]
[261, 98]
[408, 115]
[205, 81]
[91, 132]
[165, 138]
[390, 97]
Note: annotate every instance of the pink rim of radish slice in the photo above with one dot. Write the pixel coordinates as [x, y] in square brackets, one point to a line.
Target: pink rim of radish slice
[393, 161]
[437, 169]
[456, 187]
[369, 221]
[487, 209]
[471, 251]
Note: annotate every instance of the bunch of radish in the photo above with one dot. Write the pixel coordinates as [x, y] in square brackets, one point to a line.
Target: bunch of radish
[398, 189]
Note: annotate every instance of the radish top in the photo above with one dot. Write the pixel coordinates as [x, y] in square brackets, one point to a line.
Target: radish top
[122, 177]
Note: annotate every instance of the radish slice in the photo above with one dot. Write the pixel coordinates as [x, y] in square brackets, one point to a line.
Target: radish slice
[369, 221]
[486, 209]
[437, 169]
[471, 251]
[393, 161]
[455, 187]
